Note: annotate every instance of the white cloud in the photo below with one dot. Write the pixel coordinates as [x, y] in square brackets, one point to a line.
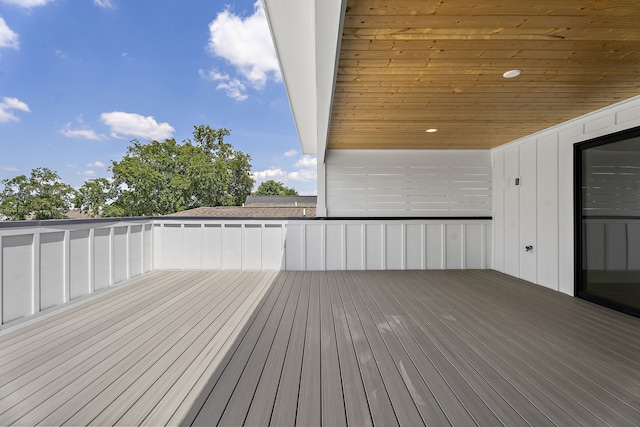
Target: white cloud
[27, 4]
[81, 133]
[8, 105]
[10, 169]
[130, 124]
[306, 172]
[246, 44]
[105, 4]
[96, 164]
[233, 87]
[291, 153]
[88, 173]
[7, 37]
[276, 174]
[307, 162]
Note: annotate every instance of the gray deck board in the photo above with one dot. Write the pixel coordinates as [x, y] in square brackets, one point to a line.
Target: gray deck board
[324, 348]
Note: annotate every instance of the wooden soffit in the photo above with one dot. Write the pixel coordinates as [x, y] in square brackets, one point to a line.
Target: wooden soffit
[406, 66]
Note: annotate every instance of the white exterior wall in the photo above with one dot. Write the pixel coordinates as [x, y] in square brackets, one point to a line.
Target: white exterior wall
[408, 183]
[539, 212]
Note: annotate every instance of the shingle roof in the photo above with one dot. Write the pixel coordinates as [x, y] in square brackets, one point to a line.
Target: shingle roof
[273, 211]
[281, 200]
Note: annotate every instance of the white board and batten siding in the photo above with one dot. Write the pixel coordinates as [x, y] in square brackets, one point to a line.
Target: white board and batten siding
[44, 266]
[322, 244]
[408, 183]
[538, 212]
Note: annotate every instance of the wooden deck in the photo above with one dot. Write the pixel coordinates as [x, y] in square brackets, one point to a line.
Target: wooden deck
[324, 348]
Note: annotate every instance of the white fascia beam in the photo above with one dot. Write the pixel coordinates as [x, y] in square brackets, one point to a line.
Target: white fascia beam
[307, 36]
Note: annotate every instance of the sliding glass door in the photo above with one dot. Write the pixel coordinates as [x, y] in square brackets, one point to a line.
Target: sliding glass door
[608, 221]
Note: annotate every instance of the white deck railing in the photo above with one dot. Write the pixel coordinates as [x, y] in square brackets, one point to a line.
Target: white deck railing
[44, 264]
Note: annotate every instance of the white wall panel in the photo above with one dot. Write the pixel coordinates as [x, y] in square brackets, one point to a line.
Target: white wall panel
[102, 258]
[252, 247]
[232, 238]
[17, 277]
[272, 247]
[135, 251]
[454, 245]
[79, 263]
[192, 246]
[120, 254]
[512, 213]
[212, 246]
[547, 211]
[554, 217]
[435, 246]
[294, 245]
[474, 246]
[395, 247]
[53, 287]
[173, 246]
[314, 247]
[527, 211]
[158, 247]
[335, 247]
[147, 248]
[375, 246]
[355, 246]
[499, 179]
[415, 246]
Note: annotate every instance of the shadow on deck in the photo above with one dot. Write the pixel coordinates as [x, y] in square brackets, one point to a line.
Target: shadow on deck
[324, 348]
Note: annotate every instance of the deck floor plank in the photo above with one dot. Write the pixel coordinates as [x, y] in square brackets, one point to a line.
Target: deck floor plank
[309, 411]
[283, 412]
[356, 348]
[219, 389]
[105, 381]
[382, 411]
[357, 410]
[259, 381]
[404, 405]
[532, 353]
[59, 373]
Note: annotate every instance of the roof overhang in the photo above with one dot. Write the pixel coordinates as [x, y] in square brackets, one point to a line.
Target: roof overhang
[306, 35]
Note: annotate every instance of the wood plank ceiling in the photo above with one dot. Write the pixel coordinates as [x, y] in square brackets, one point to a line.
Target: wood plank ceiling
[410, 65]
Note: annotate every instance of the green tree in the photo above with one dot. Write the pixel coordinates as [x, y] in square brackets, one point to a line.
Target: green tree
[158, 178]
[93, 197]
[40, 196]
[274, 188]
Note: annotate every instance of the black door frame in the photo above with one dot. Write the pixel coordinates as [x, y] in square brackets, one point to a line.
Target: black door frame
[578, 217]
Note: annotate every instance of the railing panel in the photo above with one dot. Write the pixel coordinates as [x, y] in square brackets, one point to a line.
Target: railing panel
[79, 264]
[102, 258]
[48, 263]
[52, 278]
[17, 277]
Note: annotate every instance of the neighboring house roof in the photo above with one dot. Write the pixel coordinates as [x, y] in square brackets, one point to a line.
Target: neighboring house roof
[281, 200]
[263, 211]
[73, 214]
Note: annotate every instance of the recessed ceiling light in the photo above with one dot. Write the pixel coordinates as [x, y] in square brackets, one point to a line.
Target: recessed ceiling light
[431, 130]
[511, 74]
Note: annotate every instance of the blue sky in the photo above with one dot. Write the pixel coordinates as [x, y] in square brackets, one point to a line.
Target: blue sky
[79, 79]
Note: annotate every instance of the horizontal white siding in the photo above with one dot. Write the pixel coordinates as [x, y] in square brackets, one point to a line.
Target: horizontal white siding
[539, 212]
[408, 183]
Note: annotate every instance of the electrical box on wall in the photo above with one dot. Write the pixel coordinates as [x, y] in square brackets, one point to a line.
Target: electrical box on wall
[517, 181]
